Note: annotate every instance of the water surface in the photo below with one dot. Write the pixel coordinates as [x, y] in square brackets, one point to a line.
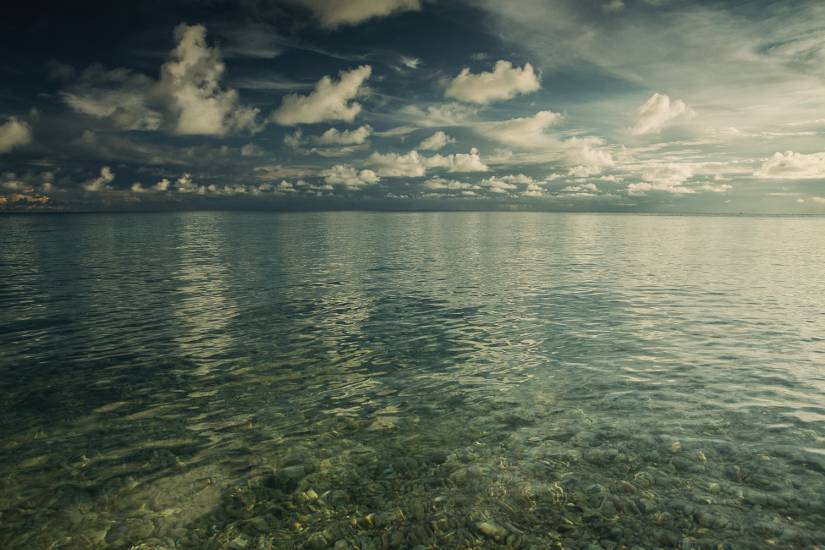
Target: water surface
[365, 380]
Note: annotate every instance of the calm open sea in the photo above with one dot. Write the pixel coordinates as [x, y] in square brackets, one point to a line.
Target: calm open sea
[367, 380]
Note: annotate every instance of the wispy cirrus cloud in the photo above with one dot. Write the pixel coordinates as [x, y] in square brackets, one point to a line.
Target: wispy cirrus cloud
[335, 13]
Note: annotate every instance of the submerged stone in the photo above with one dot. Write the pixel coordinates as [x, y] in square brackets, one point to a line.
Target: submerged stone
[492, 530]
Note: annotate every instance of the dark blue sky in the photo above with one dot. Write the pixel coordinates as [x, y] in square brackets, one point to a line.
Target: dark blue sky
[628, 105]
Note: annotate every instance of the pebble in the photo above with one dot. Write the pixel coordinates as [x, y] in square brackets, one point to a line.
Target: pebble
[492, 530]
[465, 476]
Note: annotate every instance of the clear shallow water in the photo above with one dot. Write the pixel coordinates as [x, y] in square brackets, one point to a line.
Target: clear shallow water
[245, 381]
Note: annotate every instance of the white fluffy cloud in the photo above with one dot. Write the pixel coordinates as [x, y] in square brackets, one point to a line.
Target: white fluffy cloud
[188, 99]
[582, 171]
[513, 184]
[413, 165]
[791, 165]
[101, 182]
[334, 136]
[192, 80]
[505, 82]
[342, 174]
[334, 13]
[409, 165]
[442, 184]
[668, 178]
[436, 141]
[589, 188]
[13, 133]
[588, 155]
[160, 187]
[524, 132]
[499, 185]
[659, 112]
[332, 143]
[459, 162]
[328, 101]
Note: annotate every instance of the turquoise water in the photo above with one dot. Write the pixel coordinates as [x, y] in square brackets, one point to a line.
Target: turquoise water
[366, 380]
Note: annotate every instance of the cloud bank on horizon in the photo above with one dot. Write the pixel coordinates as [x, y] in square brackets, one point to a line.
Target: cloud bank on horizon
[642, 105]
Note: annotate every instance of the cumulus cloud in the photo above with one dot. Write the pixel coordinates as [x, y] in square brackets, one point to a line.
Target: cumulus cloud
[101, 182]
[11, 183]
[459, 162]
[23, 200]
[668, 178]
[505, 82]
[442, 184]
[192, 79]
[342, 174]
[791, 165]
[332, 143]
[187, 100]
[533, 190]
[285, 187]
[414, 165]
[345, 137]
[659, 112]
[160, 187]
[330, 100]
[436, 141]
[524, 132]
[588, 154]
[398, 165]
[589, 188]
[14, 133]
[335, 13]
[582, 171]
[513, 184]
[185, 184]
[498, 185]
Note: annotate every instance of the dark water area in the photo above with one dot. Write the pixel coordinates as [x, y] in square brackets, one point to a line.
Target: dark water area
[440, 380]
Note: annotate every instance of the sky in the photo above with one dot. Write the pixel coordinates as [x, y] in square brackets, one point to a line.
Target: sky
[713, 106]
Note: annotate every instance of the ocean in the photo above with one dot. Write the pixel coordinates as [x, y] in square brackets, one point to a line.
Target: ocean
[411, 380]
